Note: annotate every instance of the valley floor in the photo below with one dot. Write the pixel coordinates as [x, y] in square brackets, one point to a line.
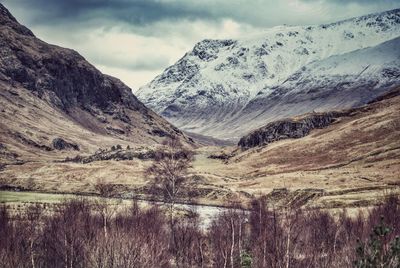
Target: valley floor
[216, 181]
[351, 163]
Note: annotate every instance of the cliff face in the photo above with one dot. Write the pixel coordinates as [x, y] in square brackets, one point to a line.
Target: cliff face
[287, 129]
[62, 74]
[7, 19]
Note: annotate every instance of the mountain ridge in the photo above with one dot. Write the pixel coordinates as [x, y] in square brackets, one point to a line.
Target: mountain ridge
[53, 102]
[302, 125]
[209, 90]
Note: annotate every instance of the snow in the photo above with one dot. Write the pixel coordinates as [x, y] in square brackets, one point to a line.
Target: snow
[225, 88]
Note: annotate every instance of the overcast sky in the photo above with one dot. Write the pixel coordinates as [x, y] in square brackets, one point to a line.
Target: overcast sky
[135, 40]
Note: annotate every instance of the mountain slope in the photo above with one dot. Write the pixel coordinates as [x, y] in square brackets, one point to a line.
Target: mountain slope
[366, 137]
[303, 125]
[350, 160]
[52, 98]
[224, 88]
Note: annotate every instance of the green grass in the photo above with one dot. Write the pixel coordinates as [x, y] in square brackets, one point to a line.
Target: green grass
[31, 197]
[11, 197]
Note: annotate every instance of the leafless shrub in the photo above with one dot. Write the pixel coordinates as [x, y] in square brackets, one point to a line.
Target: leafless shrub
[73, 236]
[169, 172]
[227, 236]
[104, 189]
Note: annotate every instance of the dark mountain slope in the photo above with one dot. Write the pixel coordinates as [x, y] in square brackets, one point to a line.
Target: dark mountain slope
[48, 92]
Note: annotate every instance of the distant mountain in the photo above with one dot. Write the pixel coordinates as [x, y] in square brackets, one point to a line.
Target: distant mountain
[301, 126]
[52, 99]
[226, 88]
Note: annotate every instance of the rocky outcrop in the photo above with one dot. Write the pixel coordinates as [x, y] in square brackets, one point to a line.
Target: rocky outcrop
[283, 197]
[113, 154]
[29, 142]
[287, 129]
[61, 75]
[61, 144]
[294, 128]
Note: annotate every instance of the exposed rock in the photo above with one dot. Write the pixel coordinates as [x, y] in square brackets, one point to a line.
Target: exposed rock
[287, 129]
[208, 49]
[41, 67]
[61, 144]
[116, 130]
[301, 126]
[113, 154]
[5, 153]
[2, 147]
[221, 156]
[7, 19]
[160, 133]
[283, 197]
[21, 138]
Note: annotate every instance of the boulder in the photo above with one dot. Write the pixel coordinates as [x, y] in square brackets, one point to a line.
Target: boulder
[61, 144]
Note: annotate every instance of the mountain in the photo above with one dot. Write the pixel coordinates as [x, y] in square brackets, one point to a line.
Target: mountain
[301, 126]
[226, 88]
[53, 102]
[333, 159]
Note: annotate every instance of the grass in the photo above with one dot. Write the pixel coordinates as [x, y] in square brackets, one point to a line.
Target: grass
[31, 197]
[11, 197]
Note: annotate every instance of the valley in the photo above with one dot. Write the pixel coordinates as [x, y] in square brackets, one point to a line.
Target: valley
[319, 130]
[362, 164]
[278, 148]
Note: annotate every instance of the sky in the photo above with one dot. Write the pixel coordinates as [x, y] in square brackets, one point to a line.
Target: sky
[135, 40]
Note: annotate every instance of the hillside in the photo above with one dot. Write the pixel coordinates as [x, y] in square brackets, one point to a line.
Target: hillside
[55, 104]
[60, 117]
[226, 88]
[350, 160]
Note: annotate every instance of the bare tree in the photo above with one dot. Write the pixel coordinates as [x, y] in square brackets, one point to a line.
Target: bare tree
[226, 237]
[169, 169]
[169, 172]
[105, 209]
[33, 217]
[104, 189]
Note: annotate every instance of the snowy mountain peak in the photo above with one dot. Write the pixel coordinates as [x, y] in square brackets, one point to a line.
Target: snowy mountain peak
[213, 89]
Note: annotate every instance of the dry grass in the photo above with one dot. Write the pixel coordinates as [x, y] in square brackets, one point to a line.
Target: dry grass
[358, 152]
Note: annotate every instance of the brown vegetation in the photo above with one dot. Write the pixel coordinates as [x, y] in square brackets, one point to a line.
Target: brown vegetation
[350, 162]
[76, 235]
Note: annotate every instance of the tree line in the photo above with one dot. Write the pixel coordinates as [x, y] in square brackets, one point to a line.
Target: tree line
[95, 233]
[82, 233]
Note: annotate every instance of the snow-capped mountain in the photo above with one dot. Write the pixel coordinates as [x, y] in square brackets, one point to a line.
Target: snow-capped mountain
[225, 88]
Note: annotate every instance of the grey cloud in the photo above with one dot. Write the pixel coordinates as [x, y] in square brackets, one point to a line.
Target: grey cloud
[262, 13]
[364, 2]
[138, 12]
[175, 22]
